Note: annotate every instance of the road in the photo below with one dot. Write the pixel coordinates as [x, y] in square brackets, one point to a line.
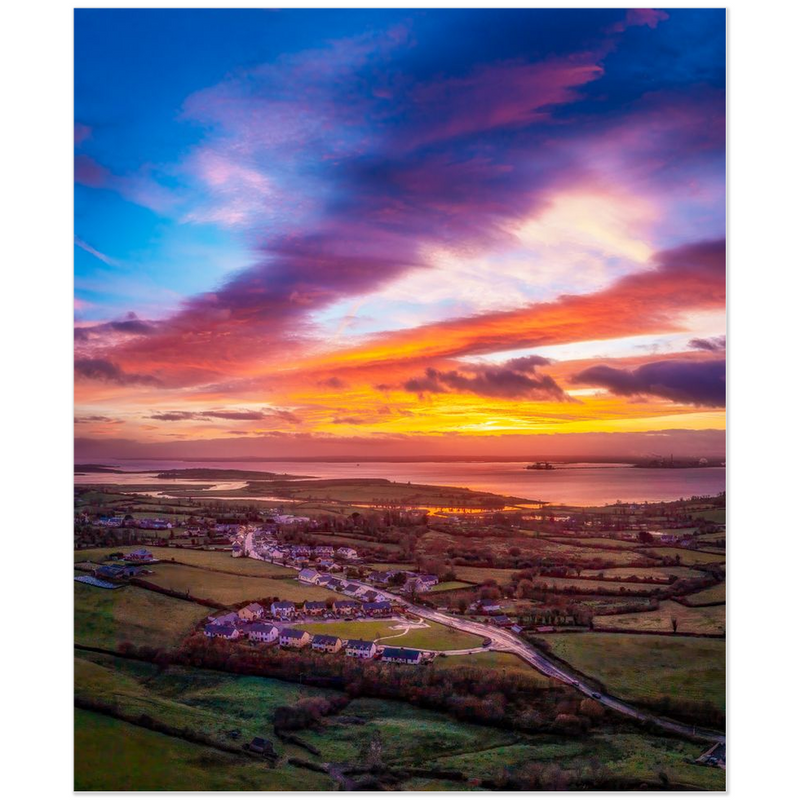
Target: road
[506, 641]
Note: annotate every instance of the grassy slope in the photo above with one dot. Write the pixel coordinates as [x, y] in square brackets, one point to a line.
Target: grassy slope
[111, 755]
[715, 594]
[104, 618]
[637, 667]
[686, 556]
[506, 662]
[435, 637]
[690, 620]
[228, 588]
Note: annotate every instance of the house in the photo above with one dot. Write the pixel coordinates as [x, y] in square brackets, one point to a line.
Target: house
[308, 575]
[502, 621]
[251, 612]
[116, 572]
[371, 596]
[326, 644]
[262, 632]
[140, 555]
[380, 608]
[348, 553]
[346, 606]
[489, 607]
[230, 618]
[236, 551]
[324, 578]
[328, 564]
[289, 637]
[262, 746]
[314, 608]
[335, 585]
[358, 648]
[323, 551]
[224, 631]
[351, 588]
[401, 655]
[283, 608]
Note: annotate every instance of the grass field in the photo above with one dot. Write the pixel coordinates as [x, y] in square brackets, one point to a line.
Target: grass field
[209, 559]
[690, 620]
[598, 541]
[686, 556]
[637, 668]
[104, 618]
[633, 756]
[587, 584]
[659, 573]
[714, 594]
[228, 588]
[434, 637]
[505, 662]
[111, 755]
[449, 586]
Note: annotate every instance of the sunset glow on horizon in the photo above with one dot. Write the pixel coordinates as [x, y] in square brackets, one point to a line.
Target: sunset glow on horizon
[387, 233]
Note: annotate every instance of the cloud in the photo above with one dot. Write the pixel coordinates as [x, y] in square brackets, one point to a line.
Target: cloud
[82, 133]
[87, 419]
[515, 378]
[332, 383]
[99, 369]
[713, 344]
[637, 17]
[129, 325]
[96, 253]
[699, 383]
[246, 416]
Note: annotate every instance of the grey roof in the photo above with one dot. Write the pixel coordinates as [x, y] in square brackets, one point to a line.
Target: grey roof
[292, 633]
[324, 638]
[359, 644]
[402, 653]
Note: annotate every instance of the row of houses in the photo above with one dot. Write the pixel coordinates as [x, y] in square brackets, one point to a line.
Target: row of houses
[412, 581]
[296, 639]
[286, 609]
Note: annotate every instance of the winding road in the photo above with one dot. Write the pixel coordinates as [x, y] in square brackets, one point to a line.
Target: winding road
[506, 641]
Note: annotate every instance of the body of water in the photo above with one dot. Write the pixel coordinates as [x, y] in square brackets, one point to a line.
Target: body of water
[576, 484]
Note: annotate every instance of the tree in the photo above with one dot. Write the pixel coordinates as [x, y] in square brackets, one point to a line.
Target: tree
[674, 621]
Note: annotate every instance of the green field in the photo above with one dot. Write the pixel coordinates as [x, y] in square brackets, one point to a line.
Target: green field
[505, 662]
[104, 618]
[111, 755]
[690, 620]
[587, 584]
[449, 586]
[644, 668]
[659, 573]
[228, 588]
[686, 556]
[433, 637]
[599, 541]
[714, 594]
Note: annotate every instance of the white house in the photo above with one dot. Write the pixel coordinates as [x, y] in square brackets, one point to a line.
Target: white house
[358, 648]
[323, 643]
[263, 632]
[224, 631]
[282, 608]
[346, 552]
[289, 637]
[251, 612]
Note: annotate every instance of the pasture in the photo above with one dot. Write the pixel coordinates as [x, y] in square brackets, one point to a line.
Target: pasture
[229, 588]
[708, 620]
[105, 619]
[644, 668]
[432, 637]
[689, 557]
[643, 573]
[714, 594]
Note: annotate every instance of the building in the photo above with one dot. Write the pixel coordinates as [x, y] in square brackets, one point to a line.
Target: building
[231, 617]
[401, 655]
[251, 612]
[289, 637]
[308, 575]
[381, 608]
[347, 553]
[140, 555]
[323, 551]
[315, 608]
[263, 632]
[326, 644]
[261, 746]
[283, 608]
[236, 551]
[346, 606]
[226, 630]
[358, 648]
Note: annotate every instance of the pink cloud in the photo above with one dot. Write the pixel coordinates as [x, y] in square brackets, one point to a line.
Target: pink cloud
[638, 17]
[82, 132]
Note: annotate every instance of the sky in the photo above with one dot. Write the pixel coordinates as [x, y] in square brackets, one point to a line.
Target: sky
[378, 233]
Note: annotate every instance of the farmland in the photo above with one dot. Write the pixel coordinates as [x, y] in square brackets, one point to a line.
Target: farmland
[433, 636]
[644, 668]
[106, 618]
[710, 620]
[715, 594]
[689, 557]
[229, 588]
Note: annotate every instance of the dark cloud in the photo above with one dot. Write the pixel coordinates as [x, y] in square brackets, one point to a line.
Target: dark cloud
[514, 378]
[332, 383]
[714, 344]
[99, 369]
[245, 416]
[130, 325]
[95, 418]
[699, 383]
